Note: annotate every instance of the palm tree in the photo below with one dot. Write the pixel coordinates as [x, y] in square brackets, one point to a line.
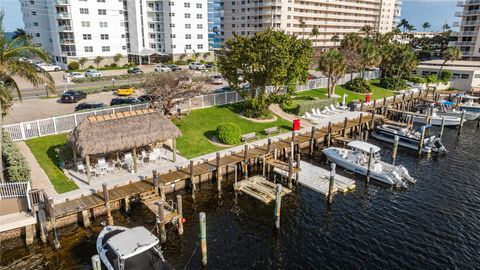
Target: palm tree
[82, 61]
[19, 32]
[98, 60]
[445, 27]
[425, 26]
[333, 64]
[315, 32]
[303, 25]
[206, 55]
[369, 56]
[403, 23]
[335, 38]
[450, 54]
[12, 69]
[367, 30]
[410, 28]
[349, 47]
[117, 57]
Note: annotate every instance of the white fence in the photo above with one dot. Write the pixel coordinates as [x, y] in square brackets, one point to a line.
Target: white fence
[60, 124]
[14, 190]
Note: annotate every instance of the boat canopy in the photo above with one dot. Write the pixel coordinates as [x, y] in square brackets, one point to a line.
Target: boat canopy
[365, 147]
[132, 242]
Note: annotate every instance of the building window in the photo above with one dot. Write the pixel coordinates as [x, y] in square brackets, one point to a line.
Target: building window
[172, 25]
[188, 26]
[174, 46]
[188, 47]
[105, 48]
[35, 24]
[85, 24]
[171, 3]
[103, 24]
[200, 46]
[187, 15]
[187, 5]
[464, 76]
[199, 5]
[199, 26]
[152, 36]
[171, 14]
[88, 48]
[102, 12]
[101, 1]
[87, 36]
[188, 36]
[199, 16]
[199, 36]
[124, 47]
[37, 34]
[104, 36]
[34, 13]
[173, 36]
[83, 10]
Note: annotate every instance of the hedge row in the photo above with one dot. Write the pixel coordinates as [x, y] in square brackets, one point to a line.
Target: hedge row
[307, 106]
[16, 166]
[107, 78]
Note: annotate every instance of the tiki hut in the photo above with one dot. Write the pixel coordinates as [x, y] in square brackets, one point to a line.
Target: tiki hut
[124, 131]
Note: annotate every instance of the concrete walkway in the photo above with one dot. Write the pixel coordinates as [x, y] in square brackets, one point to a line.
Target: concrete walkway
[275, 108]
[39, 178]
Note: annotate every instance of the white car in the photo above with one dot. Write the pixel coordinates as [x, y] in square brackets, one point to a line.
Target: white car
[196, 66]
[162, 68]
[217, 79]
[92, 73]
[48, 67]
[75, 75]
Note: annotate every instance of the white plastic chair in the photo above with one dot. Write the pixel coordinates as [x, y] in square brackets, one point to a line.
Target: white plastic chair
[319, 113]
[334, 108]
[153, 157]
[128, 161]
[315, 114]
[81, 167]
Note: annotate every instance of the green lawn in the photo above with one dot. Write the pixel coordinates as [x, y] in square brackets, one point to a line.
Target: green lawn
[43, 149]
[201, 124]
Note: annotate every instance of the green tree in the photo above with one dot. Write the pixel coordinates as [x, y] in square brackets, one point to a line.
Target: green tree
[267, 59]
[349, 47]
[82, 61]
[335, 38]
[12, 70]
[397, 60]
[411, 28]
[367, 30]
[206, 55]
[315, 32]
[303, 25]
[403, 24]
[196, 56]
[333, 64]
[369, 55]
[450, 54]
[425, 26]
[98, 60]
[117, 57]
[18, 33]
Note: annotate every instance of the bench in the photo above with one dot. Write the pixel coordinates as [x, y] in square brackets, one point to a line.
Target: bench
[249, 137]
[271, 130]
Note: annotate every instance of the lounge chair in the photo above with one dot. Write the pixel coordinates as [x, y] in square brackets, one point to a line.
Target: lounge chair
[308, 116]
[81, 167]
[319, 113]
[335, 108]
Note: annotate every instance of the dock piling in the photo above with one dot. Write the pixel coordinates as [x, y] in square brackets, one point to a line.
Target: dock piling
[192, 181]
[278, 205]
[180, 214]
[203, 236]
[370, 158]
[106, 198]
[344, 130]
[442, 127]
[395, 146]
[329, 134]
[461, 123]
[269, 147]
[161, 221]
[312, 140]
[245, 153]
[330, 184]
[219, 173]
[155, 180]
[297, 175]
[96, 263]
[422, 137]
[290, 171]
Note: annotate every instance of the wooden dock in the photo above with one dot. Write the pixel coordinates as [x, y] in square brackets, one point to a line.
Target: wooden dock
[318, 179]
[170, 213]
[259, 188]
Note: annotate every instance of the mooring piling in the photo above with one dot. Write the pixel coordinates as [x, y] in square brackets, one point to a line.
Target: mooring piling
[461, 123]
[96, 263]
[106, 199]
[219, 173]
[370, 158]
[180, 214]
[278, 205]
[442, 127]
[297, 175]
[192, 181]
[422, 137]
[394, 151]
[330, 184]
[161, 221]
[203, 236]
[312, 140]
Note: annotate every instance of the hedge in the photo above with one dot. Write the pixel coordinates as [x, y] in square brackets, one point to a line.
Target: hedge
[392, 83]
[229, 133]
[16, 166]
[358, 85]
[107, 78]
[307, 106]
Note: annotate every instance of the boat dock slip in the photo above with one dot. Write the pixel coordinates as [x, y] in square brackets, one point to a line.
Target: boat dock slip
[317, 179]
[169, 212]
[259, 188]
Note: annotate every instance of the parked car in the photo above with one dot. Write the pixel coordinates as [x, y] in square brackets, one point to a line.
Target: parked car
[125, 90]
[196, 66]
[148, 98]
[162, 68]
[209, 65]
[217, 79]
[223, 89]
[123, 101]
[311, 77]
[73, 96]
[185, 80]
[48, 67]
[134, 70]
[92, 73]
[174, 67]
[89, 106]
[75, 75]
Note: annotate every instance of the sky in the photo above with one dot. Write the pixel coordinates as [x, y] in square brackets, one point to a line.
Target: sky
[415, 11]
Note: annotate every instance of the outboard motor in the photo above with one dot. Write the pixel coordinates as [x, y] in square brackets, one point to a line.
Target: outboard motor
[404, 174]
[438, 147]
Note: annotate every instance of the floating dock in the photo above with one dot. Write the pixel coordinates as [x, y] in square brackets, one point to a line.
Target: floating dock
[318, 179]
[260, 188]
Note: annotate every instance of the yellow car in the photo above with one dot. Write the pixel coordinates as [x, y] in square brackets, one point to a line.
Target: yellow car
[125, 90]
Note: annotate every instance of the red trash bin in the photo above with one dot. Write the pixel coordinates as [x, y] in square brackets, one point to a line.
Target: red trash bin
[296, 124]
[367, 98]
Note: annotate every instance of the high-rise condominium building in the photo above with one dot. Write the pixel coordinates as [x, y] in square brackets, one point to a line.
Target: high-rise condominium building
[468, 37]
[331, 17]
[141, 29]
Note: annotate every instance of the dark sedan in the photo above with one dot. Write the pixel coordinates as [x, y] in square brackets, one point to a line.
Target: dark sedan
[124, 101]
[210, 65]
[149, 98]
[73, 96]
[134, 70]
[89, 106]
[174, 67]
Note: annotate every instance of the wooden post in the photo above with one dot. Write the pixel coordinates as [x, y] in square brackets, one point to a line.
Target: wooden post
[42, 219]
[374, 104]
[29, 234]
[312, 140]
[161, 221]
[126, 203]
[297, 175]
[245, 170]
[236, 174]
[192, 178]
[330, 184]
[89, 169]
[180, 214]
[245, 153]
[278, 205]
[86, 218]
[360, 123]
[106, 198]
[263, 167]
[393, 101]
[461, 123]
[329, 134]
[135, 161]
[203, 236]
[442, 127]
[344, 130]
[219, 173]
[174, 148]
[53, 223]
[422, 137]
[269, 147]
[361, 106]
[162, 191]
[370, 158]
[290, 171]
[75, 159]
[96, 263]
[292, 149]
[155, 181]
[395, 146]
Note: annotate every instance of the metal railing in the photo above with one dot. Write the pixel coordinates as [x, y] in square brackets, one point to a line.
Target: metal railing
[14, 189]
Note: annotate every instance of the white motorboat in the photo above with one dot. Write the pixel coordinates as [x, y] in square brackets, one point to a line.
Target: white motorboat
[469, 105]
[121, 248]
[408, 138]
[356, 160]
[446, 108]
[437, 120]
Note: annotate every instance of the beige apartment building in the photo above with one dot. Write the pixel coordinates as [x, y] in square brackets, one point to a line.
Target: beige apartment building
[468, 37]
[332, 17]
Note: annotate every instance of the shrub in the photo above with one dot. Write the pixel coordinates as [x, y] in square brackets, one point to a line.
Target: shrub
[256, 107]
[307, 106]
[358, 85]
[446, 76]
[113, 65]
[392, 83]
[229, 133]
[275, 98]
[417, 79]
[432, 78]
[90, 67]
[17, 168]
[73, 65]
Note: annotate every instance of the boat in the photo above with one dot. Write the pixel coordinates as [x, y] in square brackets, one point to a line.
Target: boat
[356, 160]
[408, 138]
[437, 120]
[469, 105]
[122, 248]
[446, 108]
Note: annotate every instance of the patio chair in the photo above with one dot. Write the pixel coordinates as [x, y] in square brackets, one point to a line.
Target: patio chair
[308, 116]
[105, 166]
[315, 114]
[333, 108]
[128, 161]
[319, 113]
[153, 156]
[81, 167]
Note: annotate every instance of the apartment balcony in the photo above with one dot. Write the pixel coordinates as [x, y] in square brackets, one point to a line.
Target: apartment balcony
[65, 28]
[64, 41]
[469, 2]
[63, 15]
[466, 53]
[62, 2]
[467, 13]
[461, 43]
[465, 33]
[466, 23]
[68, 53]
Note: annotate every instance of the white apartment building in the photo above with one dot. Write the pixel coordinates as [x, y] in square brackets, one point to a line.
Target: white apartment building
[72, 29]
[245, 17]
[468, 37]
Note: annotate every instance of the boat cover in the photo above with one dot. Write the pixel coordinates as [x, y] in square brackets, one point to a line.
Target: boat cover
[365, 147]
[132, 242]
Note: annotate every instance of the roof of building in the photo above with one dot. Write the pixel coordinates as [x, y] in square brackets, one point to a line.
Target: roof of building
[439, 62]
[455, 68]
[121, 131]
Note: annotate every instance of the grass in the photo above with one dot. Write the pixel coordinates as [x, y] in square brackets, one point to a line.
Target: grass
[43, 149]
[201, 124]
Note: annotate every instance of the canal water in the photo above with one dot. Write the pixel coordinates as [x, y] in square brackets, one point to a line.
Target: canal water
[434, 224]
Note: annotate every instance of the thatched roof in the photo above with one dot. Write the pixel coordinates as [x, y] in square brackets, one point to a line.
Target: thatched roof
[122, 131]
